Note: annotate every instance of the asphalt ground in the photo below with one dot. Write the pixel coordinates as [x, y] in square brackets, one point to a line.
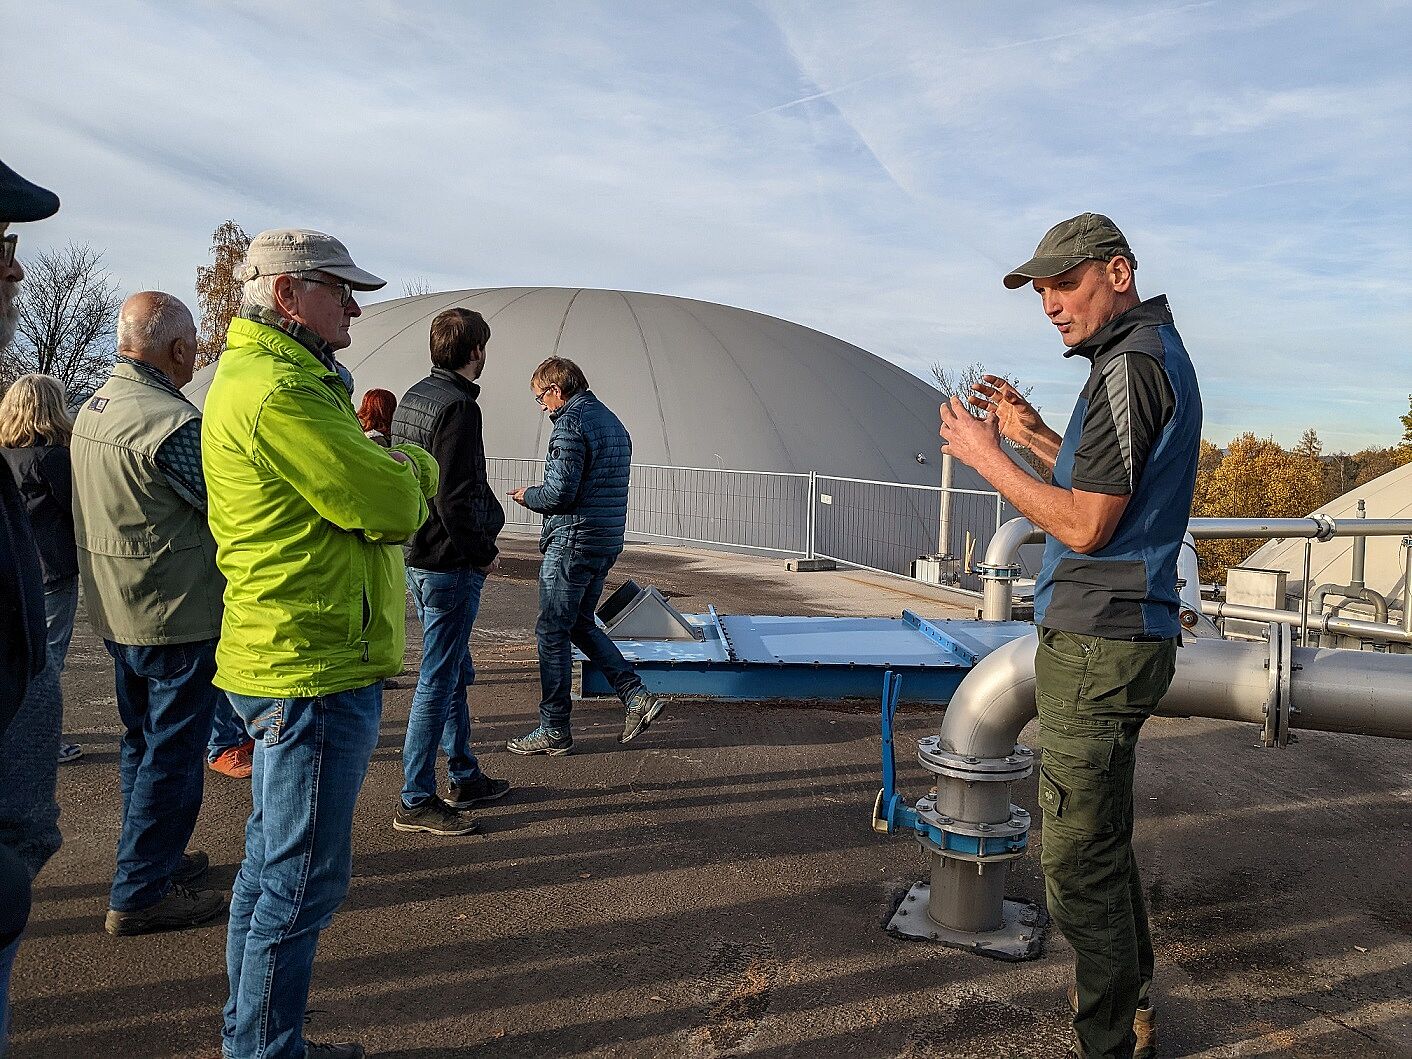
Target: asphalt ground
[714, 888]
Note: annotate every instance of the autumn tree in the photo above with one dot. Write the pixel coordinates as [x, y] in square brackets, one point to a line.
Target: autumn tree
[1309, 446]
[1407, 423]
[218, 292]
[1255, 478]
[68, 316]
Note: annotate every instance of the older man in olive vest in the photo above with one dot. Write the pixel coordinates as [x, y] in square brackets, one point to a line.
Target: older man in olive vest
[147, 562]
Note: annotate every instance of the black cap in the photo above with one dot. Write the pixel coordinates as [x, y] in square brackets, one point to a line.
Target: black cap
[1087, 237]
[21, 200]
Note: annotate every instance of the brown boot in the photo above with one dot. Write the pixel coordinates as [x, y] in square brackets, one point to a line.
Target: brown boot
[1144, 1025]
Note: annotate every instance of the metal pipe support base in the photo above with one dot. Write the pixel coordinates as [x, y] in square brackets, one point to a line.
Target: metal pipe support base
[1020, 938]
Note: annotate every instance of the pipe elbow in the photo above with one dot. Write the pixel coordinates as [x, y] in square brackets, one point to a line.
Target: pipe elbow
[993, 703]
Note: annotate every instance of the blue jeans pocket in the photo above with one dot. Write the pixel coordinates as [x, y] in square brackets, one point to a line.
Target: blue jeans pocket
[264, 718]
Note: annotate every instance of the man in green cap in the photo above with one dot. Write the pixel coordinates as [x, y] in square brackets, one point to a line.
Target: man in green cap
[1106, 599]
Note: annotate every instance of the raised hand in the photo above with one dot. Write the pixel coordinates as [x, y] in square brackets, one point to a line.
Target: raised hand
[1015, 416]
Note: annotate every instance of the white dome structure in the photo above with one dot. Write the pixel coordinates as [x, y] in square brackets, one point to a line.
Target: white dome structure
[698, 385]
[1331, 562]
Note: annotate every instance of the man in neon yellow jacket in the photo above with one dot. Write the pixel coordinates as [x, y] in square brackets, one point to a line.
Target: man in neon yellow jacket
[307, 514]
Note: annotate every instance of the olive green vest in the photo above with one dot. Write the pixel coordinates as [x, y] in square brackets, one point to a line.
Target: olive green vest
[145, 556]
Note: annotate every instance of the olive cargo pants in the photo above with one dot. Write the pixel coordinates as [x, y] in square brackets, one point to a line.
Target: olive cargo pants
[1094, 695]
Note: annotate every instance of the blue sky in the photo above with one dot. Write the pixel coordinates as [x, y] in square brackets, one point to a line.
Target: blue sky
[868, 169]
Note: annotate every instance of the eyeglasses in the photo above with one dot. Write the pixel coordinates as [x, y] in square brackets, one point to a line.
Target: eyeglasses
[345, 290]
[539, 394]
[7, 249]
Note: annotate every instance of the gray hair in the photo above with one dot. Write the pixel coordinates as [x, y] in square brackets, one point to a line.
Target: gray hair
[149, 325]
[260, 291]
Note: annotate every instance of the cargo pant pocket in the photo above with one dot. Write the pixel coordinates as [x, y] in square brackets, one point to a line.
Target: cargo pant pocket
[1080, 789]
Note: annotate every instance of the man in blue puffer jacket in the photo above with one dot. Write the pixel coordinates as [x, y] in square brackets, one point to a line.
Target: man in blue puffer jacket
[584, 501]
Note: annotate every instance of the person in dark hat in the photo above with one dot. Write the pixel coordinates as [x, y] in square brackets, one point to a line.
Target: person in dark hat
[29, 698]
[1106, 600]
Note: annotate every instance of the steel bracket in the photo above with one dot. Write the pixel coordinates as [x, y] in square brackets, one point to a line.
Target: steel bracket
[1278, 693]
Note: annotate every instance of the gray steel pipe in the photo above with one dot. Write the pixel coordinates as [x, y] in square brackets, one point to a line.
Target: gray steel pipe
[1320, 527]
[1002, 557]
[1359, 692]
[1003, 552]
[1407, 585]
[1329, 691]
[1325, 623]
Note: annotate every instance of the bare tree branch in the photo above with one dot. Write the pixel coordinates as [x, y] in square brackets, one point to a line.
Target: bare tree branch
[68, 313]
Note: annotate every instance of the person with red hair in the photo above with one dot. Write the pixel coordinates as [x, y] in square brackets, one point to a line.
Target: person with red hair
[375, 413]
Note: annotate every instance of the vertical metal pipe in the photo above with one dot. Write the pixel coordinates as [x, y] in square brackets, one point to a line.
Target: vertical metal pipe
[948, 480]
[1407, 585]
[1360, 553]
[813, 500]
[1304, 596]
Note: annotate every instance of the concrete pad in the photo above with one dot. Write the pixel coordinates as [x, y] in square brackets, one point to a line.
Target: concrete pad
[714, 888]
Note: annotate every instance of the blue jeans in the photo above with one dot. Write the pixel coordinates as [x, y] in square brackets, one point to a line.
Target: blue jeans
[60, 606]
[310, 759]
[165, 700]
[7, 964]
[447, 603]
[569, 587]
[227, 730]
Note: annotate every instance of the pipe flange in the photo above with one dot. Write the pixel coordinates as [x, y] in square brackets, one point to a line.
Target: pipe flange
[1326, 527]
[973, 850]
[1018, 824]
[998, 571]
[1016, 765]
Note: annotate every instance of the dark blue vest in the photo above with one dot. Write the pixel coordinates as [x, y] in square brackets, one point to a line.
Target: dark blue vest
[1128, 588]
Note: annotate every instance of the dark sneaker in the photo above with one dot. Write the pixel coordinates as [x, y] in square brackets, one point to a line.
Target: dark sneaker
[434, 817]
[342, 1050]
[643, 707]
[182, 907]
[478, 791]
[542, 740]
[194, 865]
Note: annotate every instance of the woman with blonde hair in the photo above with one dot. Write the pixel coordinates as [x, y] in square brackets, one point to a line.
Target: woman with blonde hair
[34, 437]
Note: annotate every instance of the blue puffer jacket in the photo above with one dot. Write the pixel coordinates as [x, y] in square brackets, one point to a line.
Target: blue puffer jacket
[584, 498]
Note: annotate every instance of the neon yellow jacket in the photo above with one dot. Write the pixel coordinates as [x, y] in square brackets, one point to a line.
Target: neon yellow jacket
[308, 514]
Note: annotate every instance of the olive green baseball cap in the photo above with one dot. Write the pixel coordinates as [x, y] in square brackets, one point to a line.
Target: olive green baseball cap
[1087, 237]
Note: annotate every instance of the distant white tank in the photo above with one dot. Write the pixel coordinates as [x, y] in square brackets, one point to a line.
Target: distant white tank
[1387, 496]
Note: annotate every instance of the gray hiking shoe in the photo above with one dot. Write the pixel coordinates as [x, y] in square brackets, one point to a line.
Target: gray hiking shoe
[552, 741]
[643, 707]
[434, 817]
[480, 791]
[182, 907]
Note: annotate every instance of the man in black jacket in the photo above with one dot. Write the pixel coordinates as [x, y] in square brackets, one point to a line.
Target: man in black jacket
[23, 644]
[447, 564]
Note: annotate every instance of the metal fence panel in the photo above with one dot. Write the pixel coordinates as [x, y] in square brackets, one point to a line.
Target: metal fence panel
[885, 525]
[877, 525]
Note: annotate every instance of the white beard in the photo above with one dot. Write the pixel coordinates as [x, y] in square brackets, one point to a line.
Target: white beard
[9, 313]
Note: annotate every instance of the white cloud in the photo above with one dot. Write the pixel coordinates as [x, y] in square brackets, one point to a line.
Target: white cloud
[867, 170]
